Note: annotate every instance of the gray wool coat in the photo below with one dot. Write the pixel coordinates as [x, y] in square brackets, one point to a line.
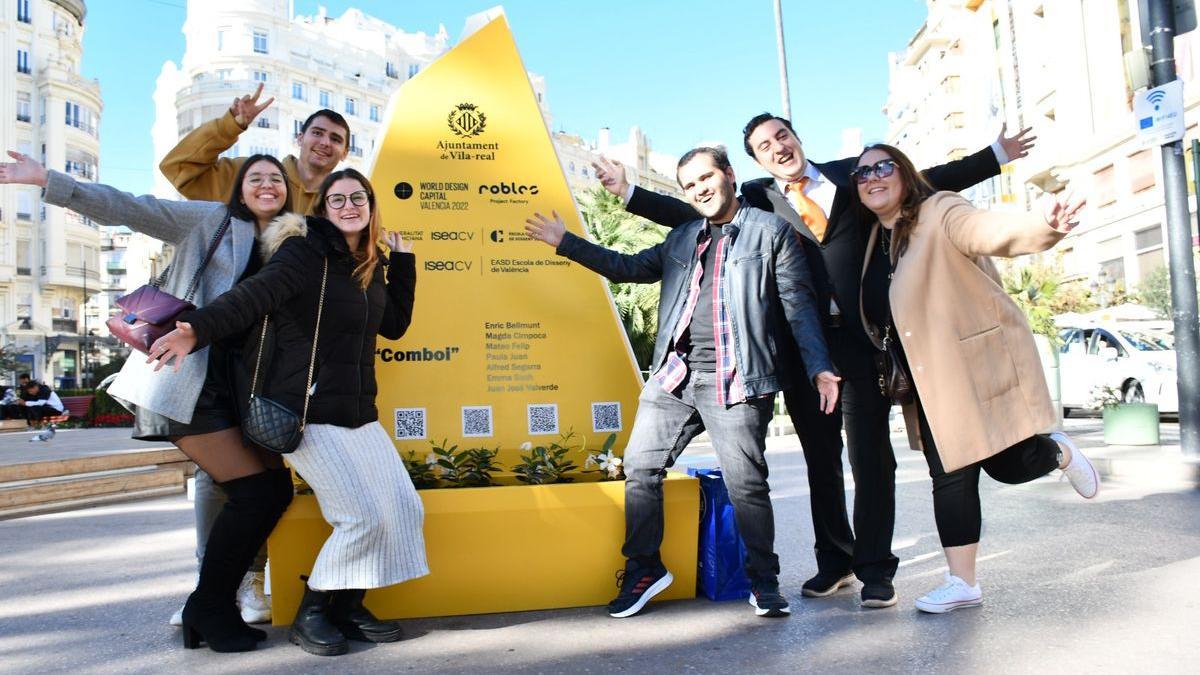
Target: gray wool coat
[190, 227]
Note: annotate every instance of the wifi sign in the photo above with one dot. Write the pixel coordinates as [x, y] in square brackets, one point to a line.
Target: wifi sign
[1155, 97]
[1158, 114]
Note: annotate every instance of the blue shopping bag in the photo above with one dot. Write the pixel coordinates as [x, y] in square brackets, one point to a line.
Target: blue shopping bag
[720, 573]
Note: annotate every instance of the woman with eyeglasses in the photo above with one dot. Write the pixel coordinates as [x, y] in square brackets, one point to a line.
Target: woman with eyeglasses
[931, 292]
[195, 406]
[330, 266]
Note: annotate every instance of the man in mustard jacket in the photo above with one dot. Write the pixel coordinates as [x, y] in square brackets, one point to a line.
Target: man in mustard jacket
[197, 170]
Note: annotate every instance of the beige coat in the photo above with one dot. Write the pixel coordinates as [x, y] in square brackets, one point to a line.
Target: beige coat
[972, 355]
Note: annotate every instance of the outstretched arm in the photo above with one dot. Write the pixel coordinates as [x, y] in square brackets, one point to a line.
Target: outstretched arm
[976, 232]
[239, 308]
[194, 166]
[168, 220]
[963, 173]
[645, 266]
[652, 206]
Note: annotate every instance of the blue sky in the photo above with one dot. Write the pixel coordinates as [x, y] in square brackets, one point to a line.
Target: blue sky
[685, 71]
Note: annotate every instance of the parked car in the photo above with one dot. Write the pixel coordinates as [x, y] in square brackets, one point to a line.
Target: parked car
[1137, 362]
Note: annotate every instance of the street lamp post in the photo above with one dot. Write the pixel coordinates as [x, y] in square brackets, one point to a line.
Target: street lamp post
[1179, 241]
[783, 76]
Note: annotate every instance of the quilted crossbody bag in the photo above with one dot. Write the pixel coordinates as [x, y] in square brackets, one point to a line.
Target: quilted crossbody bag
[269, 424]
[149, 312]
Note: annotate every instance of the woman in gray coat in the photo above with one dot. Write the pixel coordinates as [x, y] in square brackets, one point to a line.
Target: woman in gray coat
[195, 407]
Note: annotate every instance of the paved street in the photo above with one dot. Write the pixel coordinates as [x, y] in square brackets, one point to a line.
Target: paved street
[1069, 586]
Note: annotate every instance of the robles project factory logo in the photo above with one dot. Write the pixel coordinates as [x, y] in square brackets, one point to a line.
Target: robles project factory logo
[466, 120]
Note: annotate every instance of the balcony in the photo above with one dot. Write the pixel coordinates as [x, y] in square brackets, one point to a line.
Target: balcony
[24, 117]
[64, 325]
[84, 126]
[82, 272]
[225, 87]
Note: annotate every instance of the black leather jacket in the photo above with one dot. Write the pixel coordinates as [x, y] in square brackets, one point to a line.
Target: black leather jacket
[767, 281]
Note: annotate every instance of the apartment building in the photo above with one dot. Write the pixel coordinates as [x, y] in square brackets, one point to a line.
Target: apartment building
[49, 257]
[1062, 67]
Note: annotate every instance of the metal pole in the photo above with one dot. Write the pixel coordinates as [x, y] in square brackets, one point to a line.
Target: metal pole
[783, 75]
[83, 309]
[1179, 241]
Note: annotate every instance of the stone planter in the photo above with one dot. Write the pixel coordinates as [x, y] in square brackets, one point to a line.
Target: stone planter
[1131, 424]
[503, 549]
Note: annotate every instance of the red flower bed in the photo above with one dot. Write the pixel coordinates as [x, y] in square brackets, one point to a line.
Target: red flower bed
[112, 420]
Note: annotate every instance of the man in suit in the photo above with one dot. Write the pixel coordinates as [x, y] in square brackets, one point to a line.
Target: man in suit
[815, 199]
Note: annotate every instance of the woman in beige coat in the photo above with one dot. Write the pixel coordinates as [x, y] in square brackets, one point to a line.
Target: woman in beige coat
[980, 399]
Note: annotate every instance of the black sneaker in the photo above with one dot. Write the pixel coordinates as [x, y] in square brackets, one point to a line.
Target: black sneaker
[826, 584]
[638, 585]
[878, 594]
[767, 600]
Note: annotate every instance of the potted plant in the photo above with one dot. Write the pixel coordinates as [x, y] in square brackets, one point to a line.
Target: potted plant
[1125, 423]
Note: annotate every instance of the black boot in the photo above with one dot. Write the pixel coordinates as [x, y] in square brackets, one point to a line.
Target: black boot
[254, 505]
[312, 629]
[357, 622]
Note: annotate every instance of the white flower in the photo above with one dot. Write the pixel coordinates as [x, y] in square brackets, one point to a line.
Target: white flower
[614, 470]
[590, 461]
[527, 446]
[431, 459]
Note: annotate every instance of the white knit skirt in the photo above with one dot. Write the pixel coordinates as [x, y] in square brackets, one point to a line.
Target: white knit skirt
[366, 495]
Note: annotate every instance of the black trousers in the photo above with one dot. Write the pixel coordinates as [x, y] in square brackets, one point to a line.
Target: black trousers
[956, 494]
[864, 411]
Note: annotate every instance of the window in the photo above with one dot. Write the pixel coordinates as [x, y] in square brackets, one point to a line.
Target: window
[1149, 246]
[263, 122]
[298, 91]
[41, 111]
[222, 32]
[354, 149]
[260, 42]
[1141, 171]
[955, 120]
[296, 127]
[413, 68]
[24, 106]
[24, 205]
[81, 117]
[263, 150]
[81, 164]
[24, 257]
[351, 105]
[23, 11]
[374, 112]
[224, 73]
[390, 71]
[23, 61]
[1105, 186]
[260, 76]
[323, 98]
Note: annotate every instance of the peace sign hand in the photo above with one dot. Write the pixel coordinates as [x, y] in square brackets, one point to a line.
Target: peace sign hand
[244, 109]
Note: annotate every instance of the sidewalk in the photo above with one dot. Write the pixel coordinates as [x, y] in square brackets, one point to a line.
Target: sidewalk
[15, 447]
[1070, 586]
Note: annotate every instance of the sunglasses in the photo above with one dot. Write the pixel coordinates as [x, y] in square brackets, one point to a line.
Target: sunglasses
[337, 201]
[881, 169]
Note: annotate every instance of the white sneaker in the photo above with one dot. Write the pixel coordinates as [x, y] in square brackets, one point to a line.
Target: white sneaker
[950, 596]
[177, 618]
[252, 600]
[1080, 471]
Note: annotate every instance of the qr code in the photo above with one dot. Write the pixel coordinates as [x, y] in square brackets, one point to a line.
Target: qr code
[606, 416]
[410, 423]
[543, 418]
[477, 420]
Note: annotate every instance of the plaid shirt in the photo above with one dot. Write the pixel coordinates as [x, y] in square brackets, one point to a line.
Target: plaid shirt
[730, 389]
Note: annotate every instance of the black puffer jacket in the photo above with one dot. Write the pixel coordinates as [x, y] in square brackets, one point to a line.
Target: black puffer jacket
[288, 289]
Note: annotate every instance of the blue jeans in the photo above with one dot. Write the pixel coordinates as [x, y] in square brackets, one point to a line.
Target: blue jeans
[664, 425]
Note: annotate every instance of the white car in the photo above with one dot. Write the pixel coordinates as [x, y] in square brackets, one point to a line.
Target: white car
[1138, 363]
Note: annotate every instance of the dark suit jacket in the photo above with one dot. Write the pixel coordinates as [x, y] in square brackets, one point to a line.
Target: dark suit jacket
[836, 261]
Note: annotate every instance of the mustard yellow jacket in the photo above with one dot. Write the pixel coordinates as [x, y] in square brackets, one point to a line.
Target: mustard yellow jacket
[194, 166]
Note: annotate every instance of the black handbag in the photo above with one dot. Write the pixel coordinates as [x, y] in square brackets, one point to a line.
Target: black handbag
[894, 381]
[269, 424]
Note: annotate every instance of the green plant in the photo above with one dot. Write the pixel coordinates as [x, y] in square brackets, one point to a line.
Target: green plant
[476, 466]
[1033, 288]
[547, 464]
[1105, 396]
[606, 462]
[611, 226]
[1154, 290]
[422, 473]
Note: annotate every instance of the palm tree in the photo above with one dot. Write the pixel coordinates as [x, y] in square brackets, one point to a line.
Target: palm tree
[611, 226]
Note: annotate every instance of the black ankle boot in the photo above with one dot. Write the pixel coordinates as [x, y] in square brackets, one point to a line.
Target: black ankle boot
[357, 622]
[254, 505]
[312, 630]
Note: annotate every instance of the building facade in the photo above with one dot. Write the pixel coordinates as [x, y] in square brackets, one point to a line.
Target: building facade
[350, 64]
[1070, 70]
[643, 166]
[49, 257]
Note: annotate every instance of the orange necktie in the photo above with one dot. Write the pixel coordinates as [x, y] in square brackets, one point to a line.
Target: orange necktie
[810, 213]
